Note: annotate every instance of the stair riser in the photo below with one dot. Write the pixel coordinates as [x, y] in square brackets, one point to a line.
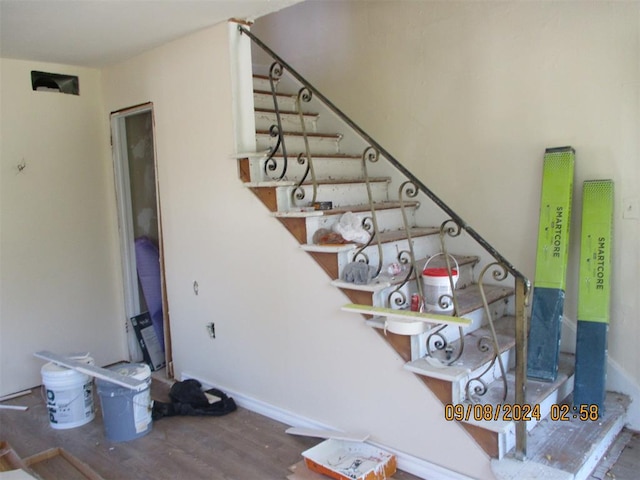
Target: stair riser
[422, 246]
[465, 275]
[260, 83]
[389, 219]
[338, 194]
[507, 439]
[295, 144]
[479, 319]
[410, 288]
[452, 336]
[290, 122]
[265, 100]
[459, 393]
[324, 168]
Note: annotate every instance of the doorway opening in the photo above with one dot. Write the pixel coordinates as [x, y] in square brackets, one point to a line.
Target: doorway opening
[141, 236]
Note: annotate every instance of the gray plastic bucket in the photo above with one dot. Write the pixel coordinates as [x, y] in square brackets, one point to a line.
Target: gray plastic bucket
[126, 413]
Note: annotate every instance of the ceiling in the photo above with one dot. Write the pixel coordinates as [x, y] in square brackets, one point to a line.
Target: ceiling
[96, 33]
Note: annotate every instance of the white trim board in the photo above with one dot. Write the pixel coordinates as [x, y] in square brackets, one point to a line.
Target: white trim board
[408, 463]
[93, 371]
[618, 380]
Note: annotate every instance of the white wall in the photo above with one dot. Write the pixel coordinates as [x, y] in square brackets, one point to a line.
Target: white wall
[281, 338]
[59, 251]
[469, 94]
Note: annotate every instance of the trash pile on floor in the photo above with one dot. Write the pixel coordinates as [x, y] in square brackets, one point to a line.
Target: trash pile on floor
[344, 459]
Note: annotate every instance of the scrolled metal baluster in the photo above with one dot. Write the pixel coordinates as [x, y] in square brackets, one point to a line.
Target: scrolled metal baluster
[480, 388]
[445, 301]
[409, 189]
[499, 273]
[473, 392]
[298, 192]
[271, 164]
[438, 340]
[371, 223]
[484, 343]
[452, 231]
[370, 226]
[305, 95]
[397, 296]
[371, 154]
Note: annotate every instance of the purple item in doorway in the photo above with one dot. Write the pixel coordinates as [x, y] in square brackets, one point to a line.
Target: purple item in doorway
[148, 265]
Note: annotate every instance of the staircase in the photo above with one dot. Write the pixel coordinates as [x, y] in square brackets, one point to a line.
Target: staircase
[313, 168]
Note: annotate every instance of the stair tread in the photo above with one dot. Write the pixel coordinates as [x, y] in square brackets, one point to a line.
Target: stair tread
[563, 445]
[472, 358]
[407, 315]
[395, 235]
[321, 181]
[332, 136]
[344, 209]
[384, 280]
[388, 237]
[469, 298]
[573, 446]
[286, 112]
[337, 156]
[438, 262]
[267, 92]
[329, 247]
[538, 392]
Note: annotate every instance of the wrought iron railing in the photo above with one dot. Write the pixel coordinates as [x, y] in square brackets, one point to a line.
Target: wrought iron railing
[409, 189]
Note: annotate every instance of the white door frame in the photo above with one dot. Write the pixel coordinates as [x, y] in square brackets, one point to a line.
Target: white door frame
[125, 220]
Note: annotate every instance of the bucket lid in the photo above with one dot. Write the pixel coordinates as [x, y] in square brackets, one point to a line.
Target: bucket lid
[53, 369]
[439, 272]
[139, 371]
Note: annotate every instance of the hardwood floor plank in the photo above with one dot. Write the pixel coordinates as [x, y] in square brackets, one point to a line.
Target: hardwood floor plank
[240, 446]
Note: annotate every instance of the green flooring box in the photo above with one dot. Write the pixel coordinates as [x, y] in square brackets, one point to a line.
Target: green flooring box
[594, 293]
[551, 263]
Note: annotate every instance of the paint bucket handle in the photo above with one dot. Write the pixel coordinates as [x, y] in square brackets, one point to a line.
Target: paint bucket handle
[457, 269]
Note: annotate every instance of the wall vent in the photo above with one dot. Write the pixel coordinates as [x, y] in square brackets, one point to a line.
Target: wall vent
[54, 82]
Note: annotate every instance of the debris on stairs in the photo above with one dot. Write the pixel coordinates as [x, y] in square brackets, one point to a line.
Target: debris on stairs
[568, 444]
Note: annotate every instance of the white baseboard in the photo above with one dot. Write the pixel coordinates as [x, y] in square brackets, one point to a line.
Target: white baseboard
[618, 380]
[408, 463]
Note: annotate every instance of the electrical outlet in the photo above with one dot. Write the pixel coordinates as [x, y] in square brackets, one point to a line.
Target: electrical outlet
[211, 328]
[631, 208]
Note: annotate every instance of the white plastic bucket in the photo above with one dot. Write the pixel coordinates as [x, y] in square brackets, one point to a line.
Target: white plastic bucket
[126, 413]
[69, 395]
[436, 284]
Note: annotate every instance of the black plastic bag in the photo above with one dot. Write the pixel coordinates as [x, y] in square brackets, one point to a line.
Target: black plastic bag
[188, 398]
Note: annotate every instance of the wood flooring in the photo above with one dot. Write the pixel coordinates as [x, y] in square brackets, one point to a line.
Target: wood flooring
[240, 446]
